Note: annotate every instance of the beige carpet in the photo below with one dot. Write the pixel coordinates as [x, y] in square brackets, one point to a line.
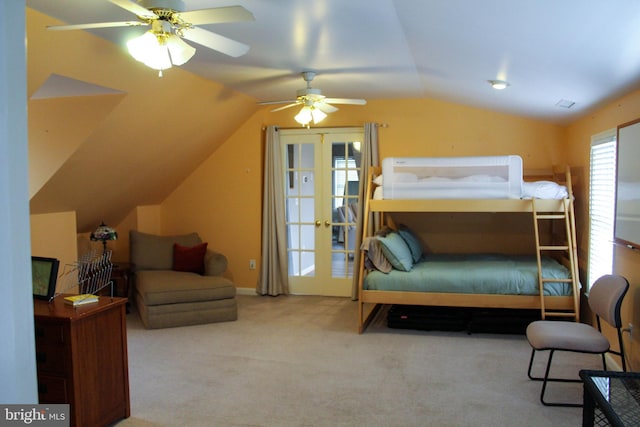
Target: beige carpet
[298, 361]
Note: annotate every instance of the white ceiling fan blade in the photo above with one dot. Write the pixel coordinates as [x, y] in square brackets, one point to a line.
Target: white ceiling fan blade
[215, 41]
[345, 101]
[217, 15]
[324, 107]
[277, 102]
[135, 8]
[96, 25]
[286, 106]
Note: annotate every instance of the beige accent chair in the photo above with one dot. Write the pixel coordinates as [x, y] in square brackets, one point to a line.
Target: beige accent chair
[605, 298]
[167, 298]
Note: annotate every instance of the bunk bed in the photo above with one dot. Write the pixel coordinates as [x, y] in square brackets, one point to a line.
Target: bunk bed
[453, 185]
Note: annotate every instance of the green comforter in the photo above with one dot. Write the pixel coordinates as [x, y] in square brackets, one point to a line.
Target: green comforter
[474, 274]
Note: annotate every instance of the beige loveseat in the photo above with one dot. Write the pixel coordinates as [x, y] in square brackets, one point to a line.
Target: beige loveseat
[166, 297]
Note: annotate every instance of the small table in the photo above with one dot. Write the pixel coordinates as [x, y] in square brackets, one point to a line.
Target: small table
[611, 396]
[120, 276]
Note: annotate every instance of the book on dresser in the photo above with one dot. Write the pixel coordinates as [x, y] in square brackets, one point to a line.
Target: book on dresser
[81, 299]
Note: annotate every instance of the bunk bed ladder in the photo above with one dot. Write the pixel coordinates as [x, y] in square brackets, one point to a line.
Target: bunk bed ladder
[569, 247]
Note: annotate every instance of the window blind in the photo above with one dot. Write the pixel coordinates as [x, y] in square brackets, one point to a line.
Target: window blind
[601, 204]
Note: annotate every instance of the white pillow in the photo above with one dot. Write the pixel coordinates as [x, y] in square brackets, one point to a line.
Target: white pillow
[543, 190]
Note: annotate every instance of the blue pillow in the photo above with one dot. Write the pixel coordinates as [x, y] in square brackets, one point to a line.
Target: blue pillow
[412, 241]
[396, 250]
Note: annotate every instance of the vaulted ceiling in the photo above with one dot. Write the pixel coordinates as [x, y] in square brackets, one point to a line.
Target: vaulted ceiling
[121, 122]
[580, 51]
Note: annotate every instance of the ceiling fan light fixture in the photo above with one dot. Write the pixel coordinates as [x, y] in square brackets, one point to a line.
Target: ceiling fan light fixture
[150, 49]
[499, 84]
[159, 48]
[318, 115]
[180, 51]
[304, 116]
[308, 113]
[140, 46]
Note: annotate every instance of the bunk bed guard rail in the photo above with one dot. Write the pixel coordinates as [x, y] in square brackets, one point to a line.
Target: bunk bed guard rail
[491, 177]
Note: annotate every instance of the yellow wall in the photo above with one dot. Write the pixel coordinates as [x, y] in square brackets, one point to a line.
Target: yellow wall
[626, 261]
[143, 218]
[54, 236]
[222, 199]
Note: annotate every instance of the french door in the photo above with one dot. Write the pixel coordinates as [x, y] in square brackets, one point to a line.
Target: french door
[322, 168]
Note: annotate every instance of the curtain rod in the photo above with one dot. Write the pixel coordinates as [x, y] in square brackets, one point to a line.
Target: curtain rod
[380, 125]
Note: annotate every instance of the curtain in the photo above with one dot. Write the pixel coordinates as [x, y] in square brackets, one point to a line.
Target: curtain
[274, 275]
[369, 157]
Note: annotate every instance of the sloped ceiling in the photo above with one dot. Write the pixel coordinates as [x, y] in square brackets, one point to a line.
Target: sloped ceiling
[584, 51]
[61, 87]
[116, 138]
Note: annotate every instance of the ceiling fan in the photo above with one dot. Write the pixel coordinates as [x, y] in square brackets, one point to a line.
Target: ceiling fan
[169, 24]
[314, 104]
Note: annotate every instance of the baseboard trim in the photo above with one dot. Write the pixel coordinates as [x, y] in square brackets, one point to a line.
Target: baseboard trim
[246, 291]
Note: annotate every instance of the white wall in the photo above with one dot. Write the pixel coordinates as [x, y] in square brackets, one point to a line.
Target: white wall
[17, 347]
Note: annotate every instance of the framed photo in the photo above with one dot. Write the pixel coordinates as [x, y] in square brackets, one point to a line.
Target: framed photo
[44, 272]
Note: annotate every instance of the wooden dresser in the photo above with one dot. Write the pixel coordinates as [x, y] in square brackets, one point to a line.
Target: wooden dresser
[81, 356]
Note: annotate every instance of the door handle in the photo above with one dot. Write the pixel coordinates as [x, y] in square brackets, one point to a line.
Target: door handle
[318, 223]
[327, 223]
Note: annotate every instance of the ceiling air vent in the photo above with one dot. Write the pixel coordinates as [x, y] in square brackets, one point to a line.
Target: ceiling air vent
[563, 103]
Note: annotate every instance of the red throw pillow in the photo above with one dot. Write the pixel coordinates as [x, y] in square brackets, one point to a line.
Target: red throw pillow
[189, 259]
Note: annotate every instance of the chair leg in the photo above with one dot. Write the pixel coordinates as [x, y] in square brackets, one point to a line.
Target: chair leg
[546, 379]
[533, 353]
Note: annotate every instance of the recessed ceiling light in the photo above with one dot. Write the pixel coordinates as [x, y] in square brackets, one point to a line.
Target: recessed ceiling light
[564, 103]
[498, 84]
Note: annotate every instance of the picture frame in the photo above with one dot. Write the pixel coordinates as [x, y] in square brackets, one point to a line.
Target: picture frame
[44, 274]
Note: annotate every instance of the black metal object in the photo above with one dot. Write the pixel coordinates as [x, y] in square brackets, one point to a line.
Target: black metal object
[610, 398]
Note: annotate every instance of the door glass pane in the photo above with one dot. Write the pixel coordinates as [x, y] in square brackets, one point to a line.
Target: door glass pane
[293, 213]
[300, 208]
[306, 183]
[294, 263]
[308, 264]
[306, 210]
[344, 202]
[293, 233]
[307, 160]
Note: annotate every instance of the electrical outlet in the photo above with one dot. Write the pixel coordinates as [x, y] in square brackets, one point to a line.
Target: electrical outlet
[252, 264]
[629, 329]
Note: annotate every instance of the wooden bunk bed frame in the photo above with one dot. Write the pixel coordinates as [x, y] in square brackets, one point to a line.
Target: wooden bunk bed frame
[540, 209]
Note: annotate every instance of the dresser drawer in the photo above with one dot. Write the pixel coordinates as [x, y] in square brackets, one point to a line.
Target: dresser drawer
[49, 333]
[51, 358]
[52, 389]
